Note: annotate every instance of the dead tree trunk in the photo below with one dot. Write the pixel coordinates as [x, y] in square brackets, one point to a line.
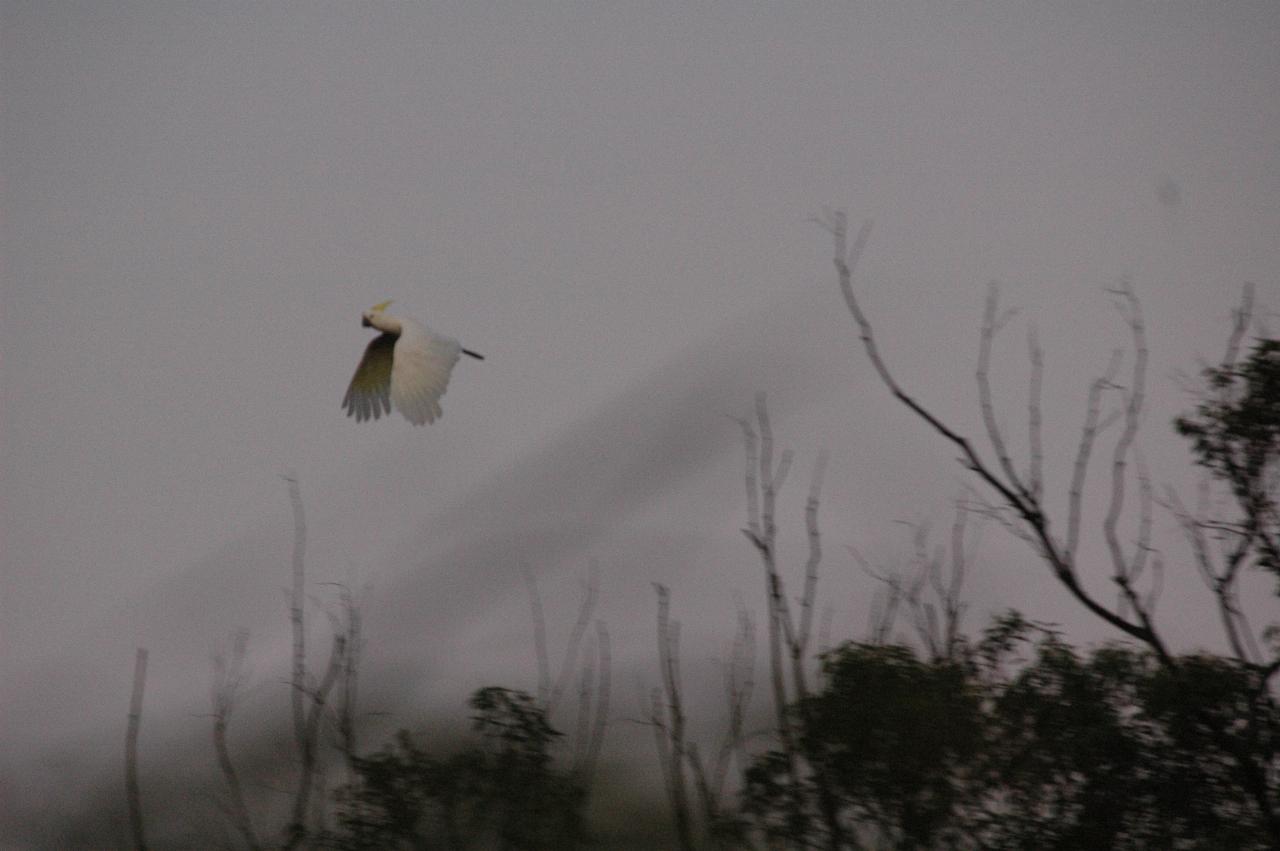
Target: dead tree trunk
[132, 792]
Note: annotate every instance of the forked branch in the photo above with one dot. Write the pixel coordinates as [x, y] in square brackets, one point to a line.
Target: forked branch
[228, 679]
[1024, 500]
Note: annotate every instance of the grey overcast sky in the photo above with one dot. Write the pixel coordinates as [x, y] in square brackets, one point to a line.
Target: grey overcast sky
[612, 202]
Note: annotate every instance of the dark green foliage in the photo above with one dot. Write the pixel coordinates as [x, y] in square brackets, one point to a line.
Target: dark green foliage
[1236, 430]
[1060, 751]
[768, 796]
[502, 792]
[1117, 751]
[1235, 433]
[899, 735]
[1061, 748]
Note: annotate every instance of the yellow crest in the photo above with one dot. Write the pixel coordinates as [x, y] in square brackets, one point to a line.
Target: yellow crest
[378, 308]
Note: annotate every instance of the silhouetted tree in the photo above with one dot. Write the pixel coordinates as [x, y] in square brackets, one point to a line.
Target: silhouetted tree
[503, 791]
[1234, 435]
[1061, 750]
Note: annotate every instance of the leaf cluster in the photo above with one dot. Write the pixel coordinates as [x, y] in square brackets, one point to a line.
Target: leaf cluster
[502, 791]
[1065, 750]
[1235, 434]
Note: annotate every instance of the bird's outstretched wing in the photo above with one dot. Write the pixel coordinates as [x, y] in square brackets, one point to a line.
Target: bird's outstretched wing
[423, 361]
[369, 395]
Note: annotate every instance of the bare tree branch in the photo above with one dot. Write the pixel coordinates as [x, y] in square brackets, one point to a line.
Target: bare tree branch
[1221, 582]
[1009, 489]
[710, 805]
[1241, 318]
[815, 556]
[318, 697]
[1132, 312]
[846, 261]
[591, 592]
[762, 531]
[990, 326]
[824, 631]
[672, 721]
[297, 611]
[739, 684]
[310, 704]
[346, 723]
[1036, 474]
[604, 678]
[949, 596]
[884, 602]
[228, 677]
[936, 621]
[1087, 436]
[586, 694]
[539, 638]
[132, 791]
[1239, 540]
[753, 530]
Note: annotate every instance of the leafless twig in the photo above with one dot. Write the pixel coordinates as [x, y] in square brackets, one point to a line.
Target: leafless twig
[591, 593]
[346, 721]
[539, 638]
[668, 720]
[1088, 434]
[297, 610]
[1022, 500]
[936, 620]
[1241, 316]
[762, 531]
[991, 324]
[317, 699]
[310, 703]
[132, 790]
[228, 678]
[604, 678]
[801, 645]
[1036, 355]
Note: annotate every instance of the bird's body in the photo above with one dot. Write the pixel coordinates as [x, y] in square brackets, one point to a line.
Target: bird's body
[407, 365]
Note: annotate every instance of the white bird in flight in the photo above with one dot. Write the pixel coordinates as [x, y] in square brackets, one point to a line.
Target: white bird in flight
[407, 365]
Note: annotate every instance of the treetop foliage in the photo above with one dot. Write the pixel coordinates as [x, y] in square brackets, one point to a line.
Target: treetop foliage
[501, 791]
[1235, 434]
[1063, 750]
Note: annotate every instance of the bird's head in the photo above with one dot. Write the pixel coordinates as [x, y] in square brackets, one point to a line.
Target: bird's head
[369, 317]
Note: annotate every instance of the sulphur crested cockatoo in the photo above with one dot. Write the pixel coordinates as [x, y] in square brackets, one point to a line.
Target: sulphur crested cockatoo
[407, 365]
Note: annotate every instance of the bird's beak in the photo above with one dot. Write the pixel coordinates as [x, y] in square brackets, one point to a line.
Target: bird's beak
[365, 323]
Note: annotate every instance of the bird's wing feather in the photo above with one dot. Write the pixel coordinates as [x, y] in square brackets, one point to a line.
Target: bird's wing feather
[420, 374]
[369, 395]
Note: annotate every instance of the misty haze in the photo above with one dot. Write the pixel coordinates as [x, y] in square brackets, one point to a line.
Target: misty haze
[874, 443]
